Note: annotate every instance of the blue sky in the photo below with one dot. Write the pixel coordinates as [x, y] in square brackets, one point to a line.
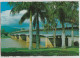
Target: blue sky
[5, 6]
[5, 17]
[13, 21]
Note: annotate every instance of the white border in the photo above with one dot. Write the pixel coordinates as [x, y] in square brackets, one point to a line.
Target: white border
[44, 56]
[33, 0]
[0, 28]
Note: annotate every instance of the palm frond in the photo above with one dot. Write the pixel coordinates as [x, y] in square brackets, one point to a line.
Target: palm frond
[19, 6]
[17, 9]
[42, 16]
[34, 21]
[25, 16]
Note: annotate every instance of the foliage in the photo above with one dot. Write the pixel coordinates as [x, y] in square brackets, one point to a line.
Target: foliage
[63, 11]
[3, 33]
[22, 28]
[51, 21]
[41, 52]
[49, 13]
[73, 13]
[35, 8]
[76, 43]
[19, 6]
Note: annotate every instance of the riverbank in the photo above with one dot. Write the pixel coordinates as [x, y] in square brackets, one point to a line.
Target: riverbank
[4, 37]
[41, 52]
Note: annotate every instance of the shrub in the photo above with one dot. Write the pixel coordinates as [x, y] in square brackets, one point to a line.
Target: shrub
[76, 43]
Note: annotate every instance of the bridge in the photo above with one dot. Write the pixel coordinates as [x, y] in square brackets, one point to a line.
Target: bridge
[46, 37]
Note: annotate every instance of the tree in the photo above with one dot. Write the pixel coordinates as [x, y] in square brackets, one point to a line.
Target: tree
[33, 8]
[60, 9]
[64, 13]
[22, 28]
[68, 13]
[19, 6]
[51, 20]
[40, 9]
[3, 31]
[72, 17]
[58, 12]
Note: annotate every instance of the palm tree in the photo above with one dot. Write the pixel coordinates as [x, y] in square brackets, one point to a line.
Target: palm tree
[72, 17]
[49, 26]
[55, 34]
[19, 6]
[60, 8]
[40, 9]
[33, 8]
[51, 20]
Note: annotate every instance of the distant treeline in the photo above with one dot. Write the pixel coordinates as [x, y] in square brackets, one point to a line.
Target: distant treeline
[3, 33]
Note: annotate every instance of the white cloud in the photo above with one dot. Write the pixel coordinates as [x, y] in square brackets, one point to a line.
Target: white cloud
[8, 19]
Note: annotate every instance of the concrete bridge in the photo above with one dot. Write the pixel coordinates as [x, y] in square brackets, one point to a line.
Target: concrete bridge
[46, 38]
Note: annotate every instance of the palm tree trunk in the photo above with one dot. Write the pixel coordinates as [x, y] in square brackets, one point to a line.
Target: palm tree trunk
[37, 33]
[30, 32]
[72, 36]
[54, 37]
[63, 36]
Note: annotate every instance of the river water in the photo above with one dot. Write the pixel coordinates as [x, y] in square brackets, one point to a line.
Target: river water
[16, 43]
[13, 43]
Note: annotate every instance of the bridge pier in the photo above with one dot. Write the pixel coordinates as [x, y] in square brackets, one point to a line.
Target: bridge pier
[24, 37]
[20, 37]
[15, 36]
[27, 38]
[12, 36]
[46, 42]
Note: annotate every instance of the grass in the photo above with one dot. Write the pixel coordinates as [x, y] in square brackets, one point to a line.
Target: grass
[71, 51]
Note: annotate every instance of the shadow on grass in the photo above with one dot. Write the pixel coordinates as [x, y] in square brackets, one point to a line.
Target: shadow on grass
[41, 53]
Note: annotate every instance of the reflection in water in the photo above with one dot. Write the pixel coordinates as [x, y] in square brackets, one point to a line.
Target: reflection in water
[22, 43]
[10, 43]
[15, 43]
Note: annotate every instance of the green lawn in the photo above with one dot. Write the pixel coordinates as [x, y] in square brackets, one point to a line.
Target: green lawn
[43, 52]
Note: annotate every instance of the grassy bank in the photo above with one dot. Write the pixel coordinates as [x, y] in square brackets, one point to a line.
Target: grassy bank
[40, 52]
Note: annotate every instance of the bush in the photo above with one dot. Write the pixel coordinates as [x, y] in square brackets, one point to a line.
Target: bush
[76, 43]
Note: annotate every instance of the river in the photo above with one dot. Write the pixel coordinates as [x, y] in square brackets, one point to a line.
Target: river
[16, 43]
[13, 43]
